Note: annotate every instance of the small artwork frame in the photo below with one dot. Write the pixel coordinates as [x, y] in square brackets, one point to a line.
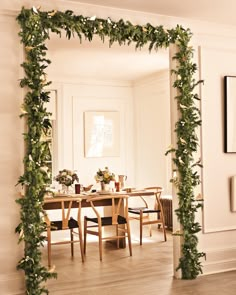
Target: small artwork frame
[230, 114]
[101, 134]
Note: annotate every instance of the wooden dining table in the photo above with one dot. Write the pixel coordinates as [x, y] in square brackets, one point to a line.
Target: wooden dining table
[52, 202]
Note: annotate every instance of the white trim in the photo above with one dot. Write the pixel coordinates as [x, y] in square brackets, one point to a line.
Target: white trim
[219, 261]
[86, 81]
[217, 229]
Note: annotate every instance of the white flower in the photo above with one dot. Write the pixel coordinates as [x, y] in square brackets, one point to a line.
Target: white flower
[44, 168]
[180, 160]
[182, 106]
[35, 10]
[182, 140]
[93, 17]
[104, 175]
[66, 177]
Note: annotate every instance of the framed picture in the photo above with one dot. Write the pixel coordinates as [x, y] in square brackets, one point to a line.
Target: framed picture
[230, 114]
[102, 134]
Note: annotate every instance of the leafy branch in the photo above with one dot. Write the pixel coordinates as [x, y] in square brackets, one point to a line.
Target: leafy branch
[35, 29]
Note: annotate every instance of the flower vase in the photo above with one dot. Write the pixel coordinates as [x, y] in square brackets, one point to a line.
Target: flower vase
[65, 189]
[105, 187]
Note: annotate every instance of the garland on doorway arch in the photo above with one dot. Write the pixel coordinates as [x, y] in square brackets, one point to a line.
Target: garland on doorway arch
[35, 29]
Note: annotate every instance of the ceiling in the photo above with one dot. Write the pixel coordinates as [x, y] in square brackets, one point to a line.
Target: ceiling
[217, 11]
[97, 60]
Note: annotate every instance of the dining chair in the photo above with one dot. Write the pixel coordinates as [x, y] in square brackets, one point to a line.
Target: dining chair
[66, 222]
[143, 213]
[118, 219]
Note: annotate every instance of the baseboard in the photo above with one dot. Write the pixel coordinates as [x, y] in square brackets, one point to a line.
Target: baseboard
[12, 283]
[220, 260]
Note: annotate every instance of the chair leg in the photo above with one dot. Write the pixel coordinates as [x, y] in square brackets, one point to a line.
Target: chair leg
[163, 224]
[141, 227]
[118, 240]
[100, 242]
[85, 234]
[150, 228]
[164, 231]
[164, 228]
[129, 239]
[49, 247]
[71, 244]
[81, 243]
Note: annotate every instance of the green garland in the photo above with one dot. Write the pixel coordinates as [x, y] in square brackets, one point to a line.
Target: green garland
[36, 27]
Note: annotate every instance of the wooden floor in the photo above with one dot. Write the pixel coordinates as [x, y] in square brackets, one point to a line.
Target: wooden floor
[148, 271]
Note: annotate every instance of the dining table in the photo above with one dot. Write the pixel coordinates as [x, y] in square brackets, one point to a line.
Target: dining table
[52, 201]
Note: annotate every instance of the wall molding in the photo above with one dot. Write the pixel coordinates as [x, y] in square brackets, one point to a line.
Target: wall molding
[87, 81]
[212, 196]
[217, 229]
[220, 260]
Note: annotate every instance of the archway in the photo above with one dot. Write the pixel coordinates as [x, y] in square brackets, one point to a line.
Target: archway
[36, 27]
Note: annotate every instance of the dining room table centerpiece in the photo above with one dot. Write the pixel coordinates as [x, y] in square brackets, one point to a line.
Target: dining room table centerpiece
[66, 178]
[104, 176]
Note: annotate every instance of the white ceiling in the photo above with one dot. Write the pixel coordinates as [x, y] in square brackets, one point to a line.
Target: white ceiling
[97, 60]
[218, 11]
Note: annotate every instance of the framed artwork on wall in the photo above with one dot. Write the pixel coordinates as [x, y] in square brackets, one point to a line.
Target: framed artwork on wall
[230, 114]
[101, 134]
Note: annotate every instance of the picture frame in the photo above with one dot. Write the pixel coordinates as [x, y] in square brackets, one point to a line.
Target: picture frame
[230, 114]
[101, 134]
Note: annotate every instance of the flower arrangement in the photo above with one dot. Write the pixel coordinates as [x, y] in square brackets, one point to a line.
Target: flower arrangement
[66, 177]
[104, 175]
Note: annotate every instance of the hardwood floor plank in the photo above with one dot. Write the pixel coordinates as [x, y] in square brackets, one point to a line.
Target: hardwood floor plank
[148, 271]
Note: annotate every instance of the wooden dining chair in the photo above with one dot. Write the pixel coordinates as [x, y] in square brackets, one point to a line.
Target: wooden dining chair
[66, 222]
[143, 213]
[118, 219]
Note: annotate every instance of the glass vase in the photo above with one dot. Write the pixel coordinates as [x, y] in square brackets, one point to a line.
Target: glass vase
[65, 189]
[105, 187]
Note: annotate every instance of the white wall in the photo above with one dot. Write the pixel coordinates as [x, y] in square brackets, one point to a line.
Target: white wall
[79, 98]
[93, 86]
[218, 238]
[11, 155]
[78, 92]
[152, 129]
[213, 117]
[219, 223]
